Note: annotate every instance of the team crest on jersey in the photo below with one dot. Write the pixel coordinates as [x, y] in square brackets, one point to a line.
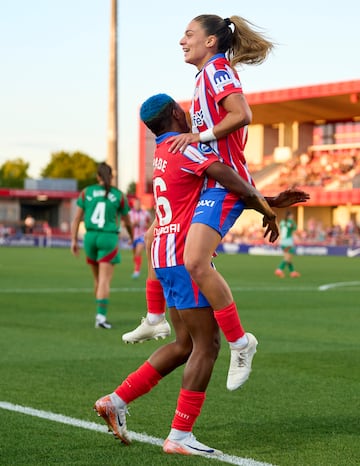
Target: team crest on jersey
[204, 148]
[222, 78]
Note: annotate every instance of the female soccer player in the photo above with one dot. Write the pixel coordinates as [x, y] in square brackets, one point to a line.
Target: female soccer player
[177, 182]
[220, 115]
[101, 206]
[141, 220]
[287, 244]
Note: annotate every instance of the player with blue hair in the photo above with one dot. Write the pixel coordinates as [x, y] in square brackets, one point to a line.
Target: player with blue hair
[178, 180]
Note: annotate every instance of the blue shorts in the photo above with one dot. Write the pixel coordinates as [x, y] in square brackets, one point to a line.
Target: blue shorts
[139, 240]
[219, 209]
[179, 290]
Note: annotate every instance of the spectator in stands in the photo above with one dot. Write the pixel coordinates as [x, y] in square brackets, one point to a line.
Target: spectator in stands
[102, 206]
[287, 229]
[46, 228]
[29, 223]
[4, 232]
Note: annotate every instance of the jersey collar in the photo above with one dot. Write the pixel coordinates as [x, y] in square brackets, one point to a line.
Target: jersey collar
[214, 57]
[164, 136]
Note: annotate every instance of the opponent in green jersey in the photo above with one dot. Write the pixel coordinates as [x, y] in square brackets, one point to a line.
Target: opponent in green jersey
[101, 206]
[287, 229]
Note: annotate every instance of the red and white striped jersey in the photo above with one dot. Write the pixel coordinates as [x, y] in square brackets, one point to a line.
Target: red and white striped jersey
[178, 180]
[216, 80]
[141, 220]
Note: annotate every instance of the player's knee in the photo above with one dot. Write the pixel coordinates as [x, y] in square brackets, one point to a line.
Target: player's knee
[194, 266]
[184, 349]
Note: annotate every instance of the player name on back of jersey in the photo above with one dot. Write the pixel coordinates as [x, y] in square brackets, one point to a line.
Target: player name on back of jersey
[101, 193]
[167, 229]
[160, 164]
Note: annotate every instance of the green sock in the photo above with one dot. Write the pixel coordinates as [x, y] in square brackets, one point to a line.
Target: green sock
[101, 306]
[282, 265]
[291, 267]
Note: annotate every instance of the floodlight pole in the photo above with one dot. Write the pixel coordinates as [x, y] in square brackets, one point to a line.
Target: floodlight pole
[112, 153]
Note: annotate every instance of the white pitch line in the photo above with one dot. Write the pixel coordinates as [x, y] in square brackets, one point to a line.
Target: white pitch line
[137, 290]
[144, 438]
[328, 286]
[66, 290]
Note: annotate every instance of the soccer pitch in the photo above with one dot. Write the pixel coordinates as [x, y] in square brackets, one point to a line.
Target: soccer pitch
[299, 407]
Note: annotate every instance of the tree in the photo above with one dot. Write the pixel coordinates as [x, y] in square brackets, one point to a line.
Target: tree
[74, 165]
[13, 173]
[131, 188]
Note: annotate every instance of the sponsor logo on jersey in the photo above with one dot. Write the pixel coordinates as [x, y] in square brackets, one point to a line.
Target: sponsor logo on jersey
[205, 203]
[222, 78]
[198, 118]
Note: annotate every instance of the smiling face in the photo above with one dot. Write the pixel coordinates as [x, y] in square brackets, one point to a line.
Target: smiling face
[197, 46]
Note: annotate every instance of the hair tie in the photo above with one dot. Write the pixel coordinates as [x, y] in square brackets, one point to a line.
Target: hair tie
[229, 24]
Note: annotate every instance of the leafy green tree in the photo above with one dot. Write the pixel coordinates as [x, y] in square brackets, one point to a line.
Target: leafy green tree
[72, 165]
[13, 173]
[131, 188]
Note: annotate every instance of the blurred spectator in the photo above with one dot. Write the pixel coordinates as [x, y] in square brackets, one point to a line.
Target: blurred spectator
[314, 234]
[29, 223]
[326, 168]
[4, 231]
[46, 229]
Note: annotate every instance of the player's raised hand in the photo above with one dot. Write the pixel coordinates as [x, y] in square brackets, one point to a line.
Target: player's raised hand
[272, 229]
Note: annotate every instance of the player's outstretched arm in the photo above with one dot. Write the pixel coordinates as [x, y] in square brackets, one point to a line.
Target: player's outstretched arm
[288, 198]
[231, 180]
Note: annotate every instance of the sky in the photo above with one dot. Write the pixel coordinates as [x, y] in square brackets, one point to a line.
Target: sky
[54, 59]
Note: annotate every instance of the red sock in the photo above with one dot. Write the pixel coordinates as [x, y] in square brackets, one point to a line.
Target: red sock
[138, 383]
[155, 297]
[137, 262]
[229, 321]
[188, 408]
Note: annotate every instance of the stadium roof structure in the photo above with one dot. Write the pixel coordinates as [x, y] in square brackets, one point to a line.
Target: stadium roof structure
[322, 102]
[314, 104]
[39, 194]
[339, 101]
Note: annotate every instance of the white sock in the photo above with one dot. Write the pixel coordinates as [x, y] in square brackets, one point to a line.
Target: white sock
[118, 402]
[154, 319]
[176, 434]
[239, 343]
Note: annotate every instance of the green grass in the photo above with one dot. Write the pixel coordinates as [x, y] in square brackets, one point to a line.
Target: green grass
[299, 407]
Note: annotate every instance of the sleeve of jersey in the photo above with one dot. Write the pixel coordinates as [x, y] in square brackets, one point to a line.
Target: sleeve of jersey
[222, 80]
[124, 205]
[81, 199]
[197, 162]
